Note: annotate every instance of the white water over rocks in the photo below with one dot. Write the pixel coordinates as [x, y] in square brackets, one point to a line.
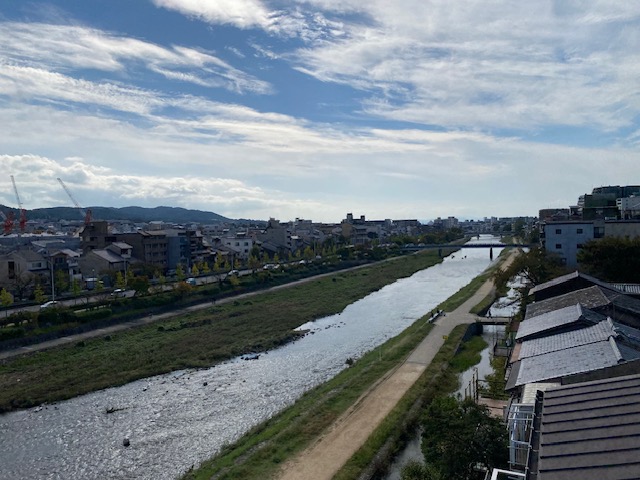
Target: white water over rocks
[180, 419]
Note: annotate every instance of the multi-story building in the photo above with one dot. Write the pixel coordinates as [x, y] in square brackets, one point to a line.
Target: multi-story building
[597, 215]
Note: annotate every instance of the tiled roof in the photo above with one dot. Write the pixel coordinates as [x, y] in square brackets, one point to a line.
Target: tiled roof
[588, 431]
[108, 256]
[571, 276]
[590, 297]
[568, 317]
[561, 341]
[570, 361]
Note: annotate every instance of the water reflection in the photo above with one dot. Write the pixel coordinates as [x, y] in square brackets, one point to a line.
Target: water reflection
[178, 420]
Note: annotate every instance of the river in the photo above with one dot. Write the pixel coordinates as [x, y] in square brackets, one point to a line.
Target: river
[178, 420]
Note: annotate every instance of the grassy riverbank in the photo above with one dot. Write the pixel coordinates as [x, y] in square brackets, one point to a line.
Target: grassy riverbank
[194, 340]
[440, 378]
[259, 453]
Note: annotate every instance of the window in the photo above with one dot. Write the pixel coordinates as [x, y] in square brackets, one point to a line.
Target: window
[558, 231]
[579, 246]
[579, 231]
[558, 246]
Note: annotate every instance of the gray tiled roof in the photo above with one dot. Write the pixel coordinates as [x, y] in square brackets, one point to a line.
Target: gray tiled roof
[589, 431]
[583, 336]
[568, 317]
[569, 361]
[566, 278]
[108, 256]
[554, 282]
[590, 297]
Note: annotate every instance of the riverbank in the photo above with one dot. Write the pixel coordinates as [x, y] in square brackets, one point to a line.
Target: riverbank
[194, 340]
[260, 453]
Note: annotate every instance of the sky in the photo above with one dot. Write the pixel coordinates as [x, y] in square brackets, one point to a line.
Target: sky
[404, 109]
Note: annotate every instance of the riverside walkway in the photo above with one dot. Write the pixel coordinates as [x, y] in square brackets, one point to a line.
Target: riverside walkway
[326, 456]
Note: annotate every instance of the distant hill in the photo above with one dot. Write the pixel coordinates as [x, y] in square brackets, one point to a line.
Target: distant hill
[134, 214]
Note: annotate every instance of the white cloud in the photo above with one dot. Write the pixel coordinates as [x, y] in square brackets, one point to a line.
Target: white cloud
[240, 13]
[488, 65]
[64, 48]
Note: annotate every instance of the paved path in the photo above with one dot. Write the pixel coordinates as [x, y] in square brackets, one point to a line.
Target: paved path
[323, 459]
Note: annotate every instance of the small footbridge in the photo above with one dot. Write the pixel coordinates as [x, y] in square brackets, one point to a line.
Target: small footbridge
[494, 320]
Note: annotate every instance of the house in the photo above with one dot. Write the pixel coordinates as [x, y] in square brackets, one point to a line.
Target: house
[586, 430]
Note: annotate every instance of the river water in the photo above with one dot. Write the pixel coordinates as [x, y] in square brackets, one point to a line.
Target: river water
[178, 420]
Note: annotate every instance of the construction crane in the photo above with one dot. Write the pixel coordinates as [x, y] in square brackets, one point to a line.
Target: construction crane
[85, 212]
[8, 222]
[23, 212]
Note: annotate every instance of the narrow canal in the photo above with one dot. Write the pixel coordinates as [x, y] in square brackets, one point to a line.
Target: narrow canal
[177, 420]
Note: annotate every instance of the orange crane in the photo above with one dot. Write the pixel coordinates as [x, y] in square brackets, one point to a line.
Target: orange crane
[8, 222]
[23, 212]
[85, 212]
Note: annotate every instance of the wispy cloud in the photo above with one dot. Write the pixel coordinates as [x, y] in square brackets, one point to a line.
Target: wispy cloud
[66, 48]
[497, 65]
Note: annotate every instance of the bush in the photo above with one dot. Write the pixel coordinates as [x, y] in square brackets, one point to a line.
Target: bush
[56, 316]
[9, 333]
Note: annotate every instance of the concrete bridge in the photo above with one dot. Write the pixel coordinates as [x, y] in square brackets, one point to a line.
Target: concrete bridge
[493, 320]
[414, 248]
[440, 247]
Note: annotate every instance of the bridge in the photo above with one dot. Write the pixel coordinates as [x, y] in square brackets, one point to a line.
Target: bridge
[413, 248]
[449, 246]
[493, 320]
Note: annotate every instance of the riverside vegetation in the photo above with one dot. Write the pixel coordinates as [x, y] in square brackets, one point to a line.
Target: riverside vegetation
[193, 340]
[260, 453]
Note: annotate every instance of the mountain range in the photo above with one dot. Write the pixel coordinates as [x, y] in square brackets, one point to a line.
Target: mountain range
[133, 214]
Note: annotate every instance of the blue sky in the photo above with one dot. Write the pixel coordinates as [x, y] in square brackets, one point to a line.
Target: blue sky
[316, 108]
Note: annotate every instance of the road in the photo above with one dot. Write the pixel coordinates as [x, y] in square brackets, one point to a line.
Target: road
[326, 456]
[154, 318]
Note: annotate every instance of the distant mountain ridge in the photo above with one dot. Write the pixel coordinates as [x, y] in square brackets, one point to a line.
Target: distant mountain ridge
[133, 214]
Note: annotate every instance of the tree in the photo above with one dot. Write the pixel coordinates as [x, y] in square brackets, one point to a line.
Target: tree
[76, 288]
[21, 283]
[611, 259]
[140, 284]
[38, 294]
[254, 263]
[205, 268]
[180, 272]
[129, 277]
[6, 300]
[195, 271]
[183, 289]
[536, 266]
[307, 253]
[62, 281]
[458, 436]
[416, 471]
[120, 282]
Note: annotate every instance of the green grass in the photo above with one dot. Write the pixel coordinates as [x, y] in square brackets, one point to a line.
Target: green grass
[440, 378]
[194, 340]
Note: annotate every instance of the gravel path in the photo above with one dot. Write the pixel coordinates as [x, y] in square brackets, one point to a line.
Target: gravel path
[324, 458]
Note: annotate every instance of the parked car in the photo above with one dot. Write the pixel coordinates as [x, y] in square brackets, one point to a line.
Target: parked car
[49, 304]
[234, 272]
[191, 281]
[118, 292]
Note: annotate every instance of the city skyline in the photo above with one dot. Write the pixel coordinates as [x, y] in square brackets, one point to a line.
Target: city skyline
[314, 108]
